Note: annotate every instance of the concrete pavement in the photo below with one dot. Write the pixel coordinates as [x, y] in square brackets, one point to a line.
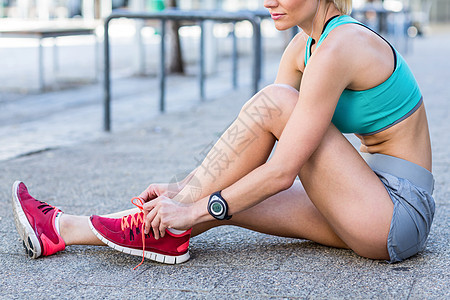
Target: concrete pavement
[100, 174]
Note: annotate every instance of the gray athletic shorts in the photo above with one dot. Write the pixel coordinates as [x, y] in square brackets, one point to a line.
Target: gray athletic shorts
[410, 187]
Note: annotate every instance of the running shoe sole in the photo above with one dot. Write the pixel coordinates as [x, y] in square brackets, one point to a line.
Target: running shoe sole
[30, 240]
[162, 258]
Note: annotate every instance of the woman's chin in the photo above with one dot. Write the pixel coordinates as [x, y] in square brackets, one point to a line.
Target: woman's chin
[282, 27]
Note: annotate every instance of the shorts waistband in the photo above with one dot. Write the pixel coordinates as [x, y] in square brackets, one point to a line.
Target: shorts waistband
[401, 168]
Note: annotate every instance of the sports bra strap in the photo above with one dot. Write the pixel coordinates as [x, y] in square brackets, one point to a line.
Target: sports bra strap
[334, 22]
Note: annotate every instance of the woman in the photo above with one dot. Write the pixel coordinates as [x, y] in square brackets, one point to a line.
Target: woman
[335, 77]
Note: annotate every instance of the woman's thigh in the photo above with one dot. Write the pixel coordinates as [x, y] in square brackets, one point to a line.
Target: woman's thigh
[339, 202]
[349, 195]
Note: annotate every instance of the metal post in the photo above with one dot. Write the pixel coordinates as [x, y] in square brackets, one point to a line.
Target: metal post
[140, 60]
[162, 68]
[107, 83]
[41, 65]
[234, 56]
[260, 52]
[55, 56]
[2, 8]
[294, 31]
[202, 61]
[257, 55]
[141, 47]
[96, 57]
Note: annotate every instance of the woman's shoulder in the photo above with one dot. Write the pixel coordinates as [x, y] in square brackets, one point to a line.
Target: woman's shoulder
[292, 63]
[299, 41]
[352, 41]
[358, 51]
[296, 49]
[352, 45]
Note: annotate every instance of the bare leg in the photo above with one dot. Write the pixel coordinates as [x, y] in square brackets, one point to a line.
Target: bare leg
[349, 195]
[75, 230]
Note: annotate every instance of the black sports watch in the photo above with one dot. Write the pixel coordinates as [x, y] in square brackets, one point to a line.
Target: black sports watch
[218, 207]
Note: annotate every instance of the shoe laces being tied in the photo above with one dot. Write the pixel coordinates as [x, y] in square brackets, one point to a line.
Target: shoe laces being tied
[131, 221]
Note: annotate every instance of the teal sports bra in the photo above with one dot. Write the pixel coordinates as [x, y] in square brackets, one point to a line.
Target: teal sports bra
[373, 110]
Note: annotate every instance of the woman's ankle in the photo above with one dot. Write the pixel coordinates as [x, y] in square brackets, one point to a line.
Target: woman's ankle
[75, 230]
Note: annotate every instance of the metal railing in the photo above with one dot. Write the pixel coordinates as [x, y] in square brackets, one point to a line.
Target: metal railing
[178, 15]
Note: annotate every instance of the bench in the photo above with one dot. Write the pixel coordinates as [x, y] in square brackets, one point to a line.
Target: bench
[49, 29]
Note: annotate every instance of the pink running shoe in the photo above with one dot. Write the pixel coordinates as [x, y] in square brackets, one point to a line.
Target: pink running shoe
[35, 223]
[125, 235]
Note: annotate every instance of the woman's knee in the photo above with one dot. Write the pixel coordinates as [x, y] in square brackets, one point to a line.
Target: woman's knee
[273, 103]
[273, 96]
[372, 250]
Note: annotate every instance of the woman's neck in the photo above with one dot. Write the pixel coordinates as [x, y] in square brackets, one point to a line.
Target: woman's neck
[324, 12]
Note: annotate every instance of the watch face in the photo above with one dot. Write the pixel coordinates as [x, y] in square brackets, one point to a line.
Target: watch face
[216, 208]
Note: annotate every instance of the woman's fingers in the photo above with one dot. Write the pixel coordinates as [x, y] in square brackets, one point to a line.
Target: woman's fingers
[162, 229]
[149, 214]
[163, 213]
[152, 217]
[150, 193]
[155, 225]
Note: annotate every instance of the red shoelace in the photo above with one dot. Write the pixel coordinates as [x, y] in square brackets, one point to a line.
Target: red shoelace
[133, 220]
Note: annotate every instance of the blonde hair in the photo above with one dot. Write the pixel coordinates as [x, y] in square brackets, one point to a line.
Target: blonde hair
[344, 6]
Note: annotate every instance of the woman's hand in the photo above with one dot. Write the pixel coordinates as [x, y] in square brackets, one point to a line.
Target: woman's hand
[163, 213]
[155, 190]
